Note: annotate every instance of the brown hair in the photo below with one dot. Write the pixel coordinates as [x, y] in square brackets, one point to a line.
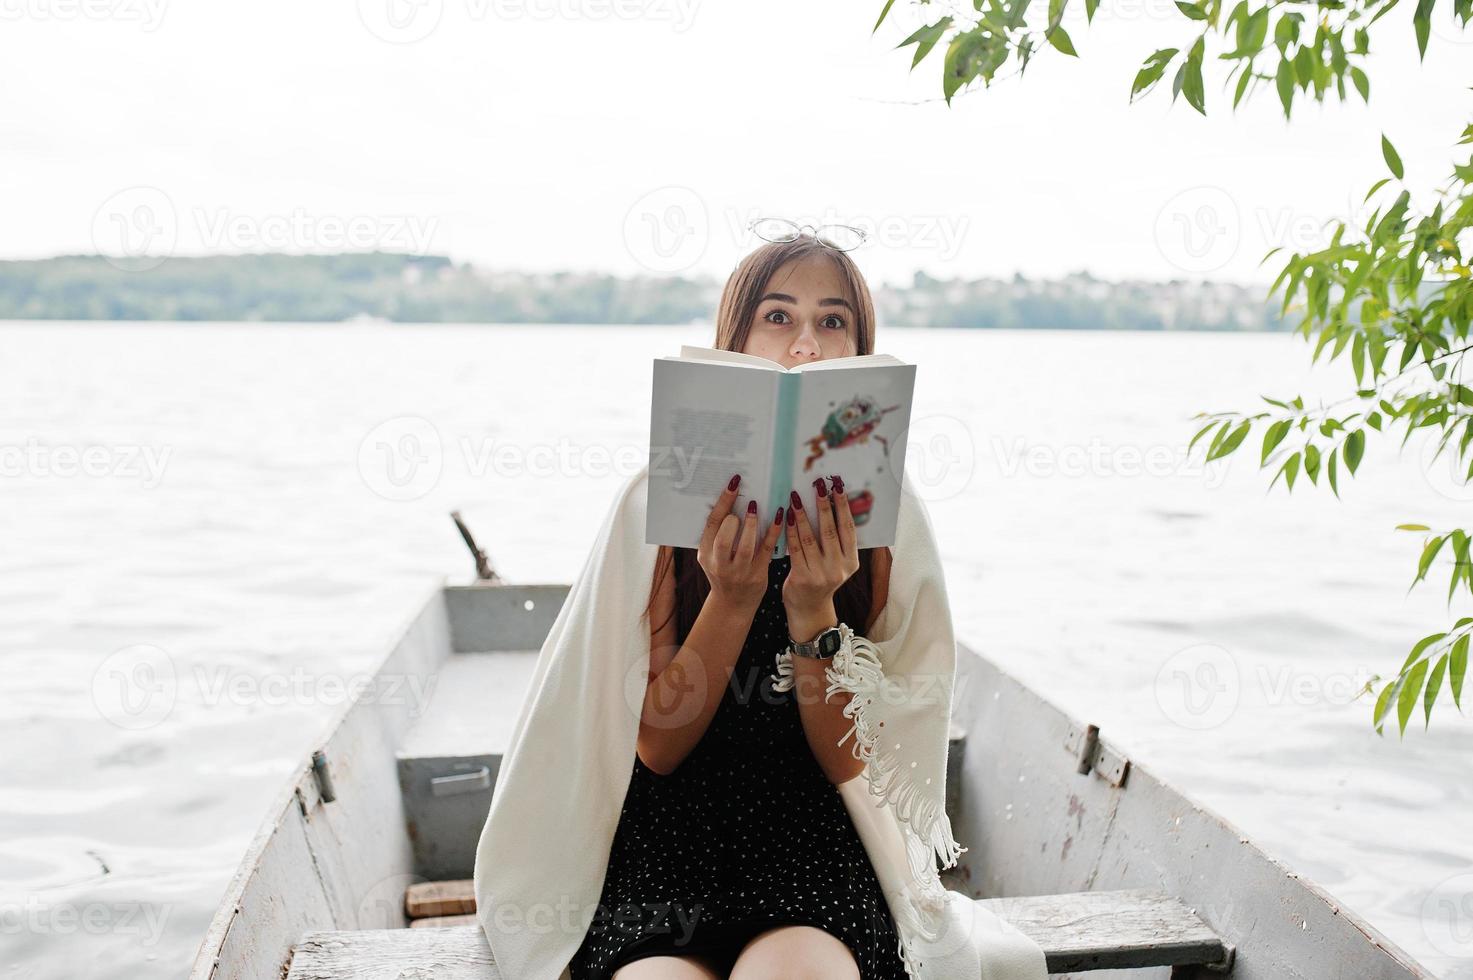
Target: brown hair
[739, 301]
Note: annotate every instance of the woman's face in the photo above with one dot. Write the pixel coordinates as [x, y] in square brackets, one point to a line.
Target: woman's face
[805, 314]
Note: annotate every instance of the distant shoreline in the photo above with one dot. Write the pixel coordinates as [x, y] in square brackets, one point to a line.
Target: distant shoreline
[391, 288]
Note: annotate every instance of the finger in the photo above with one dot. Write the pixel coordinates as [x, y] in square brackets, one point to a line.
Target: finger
[719, 512]
[748, 531]
[726, 536]
[806, 540]
[828, 528]
[848, 533]
[769, 540]
[795, 546]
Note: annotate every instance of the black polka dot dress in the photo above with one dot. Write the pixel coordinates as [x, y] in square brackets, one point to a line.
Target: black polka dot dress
[745, 835]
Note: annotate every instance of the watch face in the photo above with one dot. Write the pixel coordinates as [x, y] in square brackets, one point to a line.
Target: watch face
[830, 641]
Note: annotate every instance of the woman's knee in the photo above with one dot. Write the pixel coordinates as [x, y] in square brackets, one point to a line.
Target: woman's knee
[668, 968]
[795, 953]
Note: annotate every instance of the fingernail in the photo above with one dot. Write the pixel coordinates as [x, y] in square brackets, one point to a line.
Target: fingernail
[795, 501]
[732, 483]
[778, 519]
[792, 517]
[751, 507]
[823, 491]
[838, 484]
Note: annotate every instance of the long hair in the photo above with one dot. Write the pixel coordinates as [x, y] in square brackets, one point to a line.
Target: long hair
[739, 301]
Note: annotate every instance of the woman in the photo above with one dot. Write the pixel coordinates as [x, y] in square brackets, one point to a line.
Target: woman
[732, 817]
[684, 797]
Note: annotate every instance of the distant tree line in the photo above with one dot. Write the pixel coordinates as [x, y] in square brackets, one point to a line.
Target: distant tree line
[433, 289]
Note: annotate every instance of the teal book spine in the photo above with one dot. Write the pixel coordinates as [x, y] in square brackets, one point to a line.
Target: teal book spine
[785, 435]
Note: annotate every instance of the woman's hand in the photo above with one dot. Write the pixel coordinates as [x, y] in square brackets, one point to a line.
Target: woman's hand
[737, 565]
[823, 558]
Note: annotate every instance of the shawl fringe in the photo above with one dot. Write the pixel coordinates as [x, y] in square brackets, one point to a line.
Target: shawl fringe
[856, 669]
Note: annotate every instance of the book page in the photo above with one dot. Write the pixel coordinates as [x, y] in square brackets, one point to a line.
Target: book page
[854, 423]
[848, 363]
[707, 422]
[691, 353]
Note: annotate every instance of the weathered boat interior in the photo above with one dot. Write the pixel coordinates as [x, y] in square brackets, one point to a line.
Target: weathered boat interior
[362, 867]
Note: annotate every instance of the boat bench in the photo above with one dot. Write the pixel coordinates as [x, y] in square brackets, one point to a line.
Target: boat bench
[1110, 930]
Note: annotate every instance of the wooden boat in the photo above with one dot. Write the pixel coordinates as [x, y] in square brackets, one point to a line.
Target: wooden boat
[1101, 861]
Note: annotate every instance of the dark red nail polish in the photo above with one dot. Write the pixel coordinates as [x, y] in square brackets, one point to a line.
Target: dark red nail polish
[823, 491]
[795, 500]
[838, 484]
[792, 517]
[751, 507]
[778, 519]
[732, 483]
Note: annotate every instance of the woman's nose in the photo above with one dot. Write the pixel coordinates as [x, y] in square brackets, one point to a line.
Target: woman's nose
[806, 343]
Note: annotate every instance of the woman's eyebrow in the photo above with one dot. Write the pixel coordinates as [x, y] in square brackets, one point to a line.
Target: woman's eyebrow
[785, 298]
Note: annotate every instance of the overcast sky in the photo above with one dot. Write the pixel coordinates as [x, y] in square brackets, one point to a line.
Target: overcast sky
[641, 135]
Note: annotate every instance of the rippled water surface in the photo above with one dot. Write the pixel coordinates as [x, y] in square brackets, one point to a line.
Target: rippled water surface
[265, 504]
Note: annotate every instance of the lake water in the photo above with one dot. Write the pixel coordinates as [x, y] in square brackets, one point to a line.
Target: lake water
[218, 493]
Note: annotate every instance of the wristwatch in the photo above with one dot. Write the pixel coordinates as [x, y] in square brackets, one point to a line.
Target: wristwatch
[821, 647]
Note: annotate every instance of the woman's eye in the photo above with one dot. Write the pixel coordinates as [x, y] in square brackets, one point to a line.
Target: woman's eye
[776, 313]
[834, 322]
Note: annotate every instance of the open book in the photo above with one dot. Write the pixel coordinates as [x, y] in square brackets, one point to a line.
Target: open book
[717, 412]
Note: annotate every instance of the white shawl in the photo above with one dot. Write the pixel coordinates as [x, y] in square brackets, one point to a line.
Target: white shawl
[543, 852]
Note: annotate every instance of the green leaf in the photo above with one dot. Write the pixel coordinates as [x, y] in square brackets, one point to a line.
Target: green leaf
[956, 69]
[1200, 433]
[1434, 684]
[883, 14]
[1393, 161]
[1422, 644]
[1407, 698]
[1429, 552]
[1284, 81]
[1458, 669]
[1192, 86]
[1272, 438]
[925, 38]
[1376, 187]
[1090, 6]
[1422, 22]
[1304, 65]
[1460, 561]
[1192, 10]
[1257, 29]
[1243, 81]
[1151, 70]
[1355, 447]
[1383, 703]
[1285, 31]
[1231, 442]
[1362, 83]
[1059, 38]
